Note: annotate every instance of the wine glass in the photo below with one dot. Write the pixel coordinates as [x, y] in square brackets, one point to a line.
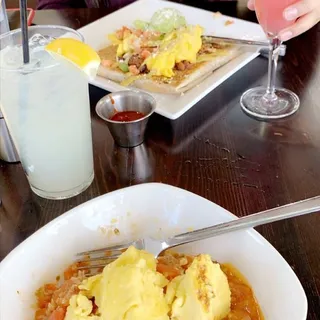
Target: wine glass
[271, 102]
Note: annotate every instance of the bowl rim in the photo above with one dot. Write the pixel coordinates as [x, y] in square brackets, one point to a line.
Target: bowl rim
[20, 248]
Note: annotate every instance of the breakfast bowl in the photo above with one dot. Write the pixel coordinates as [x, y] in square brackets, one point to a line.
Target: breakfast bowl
[156, 210]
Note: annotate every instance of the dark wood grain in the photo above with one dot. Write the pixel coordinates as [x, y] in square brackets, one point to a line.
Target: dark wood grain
[214, 150]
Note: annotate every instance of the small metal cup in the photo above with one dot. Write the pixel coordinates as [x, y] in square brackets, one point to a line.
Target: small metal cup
[126, 134]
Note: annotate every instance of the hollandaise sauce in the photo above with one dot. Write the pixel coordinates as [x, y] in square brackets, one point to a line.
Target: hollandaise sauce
[243, 302]
[141, 287]
[146, 52]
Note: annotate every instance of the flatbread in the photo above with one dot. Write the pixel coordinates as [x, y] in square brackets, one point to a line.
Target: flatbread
[180, 82]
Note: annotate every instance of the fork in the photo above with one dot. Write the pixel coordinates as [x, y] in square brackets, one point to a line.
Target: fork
[99, 258]
[264, 45]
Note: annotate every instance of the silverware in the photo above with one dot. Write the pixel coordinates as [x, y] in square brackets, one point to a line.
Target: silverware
[264, 46]
[126, 134]
[98, 258]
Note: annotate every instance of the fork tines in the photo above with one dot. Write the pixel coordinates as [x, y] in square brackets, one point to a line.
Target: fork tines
[107, 249]
[96, 259]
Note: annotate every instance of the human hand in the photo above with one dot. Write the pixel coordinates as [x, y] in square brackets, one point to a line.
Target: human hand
[305, 12]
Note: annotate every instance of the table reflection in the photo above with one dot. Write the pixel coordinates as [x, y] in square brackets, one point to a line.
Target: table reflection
[132, 165]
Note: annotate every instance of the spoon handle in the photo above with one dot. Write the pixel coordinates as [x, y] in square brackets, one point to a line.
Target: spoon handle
[280, 213]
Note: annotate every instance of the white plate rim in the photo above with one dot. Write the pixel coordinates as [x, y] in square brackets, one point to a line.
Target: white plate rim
[243, 60]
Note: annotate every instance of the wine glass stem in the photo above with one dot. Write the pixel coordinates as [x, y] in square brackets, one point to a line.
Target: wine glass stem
[273, 63]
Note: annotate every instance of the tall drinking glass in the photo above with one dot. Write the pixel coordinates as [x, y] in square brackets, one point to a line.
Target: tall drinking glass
[46, 106]
[271, 102]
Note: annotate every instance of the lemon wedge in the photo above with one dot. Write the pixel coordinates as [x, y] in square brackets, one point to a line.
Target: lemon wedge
[78, 53]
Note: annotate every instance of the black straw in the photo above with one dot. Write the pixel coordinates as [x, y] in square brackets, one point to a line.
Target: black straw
[24, 30]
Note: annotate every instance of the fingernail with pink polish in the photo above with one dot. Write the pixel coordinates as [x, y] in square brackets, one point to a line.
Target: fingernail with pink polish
[290, 14]
[286, 35]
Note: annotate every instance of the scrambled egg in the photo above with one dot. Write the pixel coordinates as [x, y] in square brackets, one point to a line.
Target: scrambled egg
[127, 44]
[130, 288]
[80, 308]
[203, 293]
[178, 45]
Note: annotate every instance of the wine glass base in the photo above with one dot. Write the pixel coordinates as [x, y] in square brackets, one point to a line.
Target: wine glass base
[255, 104]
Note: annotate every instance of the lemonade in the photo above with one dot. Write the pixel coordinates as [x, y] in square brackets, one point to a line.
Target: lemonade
[46, 107]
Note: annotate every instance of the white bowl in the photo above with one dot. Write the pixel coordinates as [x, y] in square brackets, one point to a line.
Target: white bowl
[146, 209]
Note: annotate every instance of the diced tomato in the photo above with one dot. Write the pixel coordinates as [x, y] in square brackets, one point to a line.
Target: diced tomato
[106, 63]
[119, 34]
[138, 32]
[136, 49]
[124, 28]
[40, 313]
[50, 287]
[147, 34]
[70, 272]
[145, 54]
[58, 314]
[126, 32]
[123, 33]
[44, 295]
[43, 303]
[134, 70]
[170, 272]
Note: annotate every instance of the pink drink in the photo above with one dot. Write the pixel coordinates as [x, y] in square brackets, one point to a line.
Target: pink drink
[270, 15]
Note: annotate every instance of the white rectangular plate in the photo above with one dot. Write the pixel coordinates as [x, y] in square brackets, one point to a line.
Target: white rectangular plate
[173, 106]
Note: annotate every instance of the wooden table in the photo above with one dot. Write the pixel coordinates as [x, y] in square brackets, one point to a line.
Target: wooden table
[214, 150]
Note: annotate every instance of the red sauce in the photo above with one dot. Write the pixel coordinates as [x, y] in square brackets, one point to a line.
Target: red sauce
[127, 116]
